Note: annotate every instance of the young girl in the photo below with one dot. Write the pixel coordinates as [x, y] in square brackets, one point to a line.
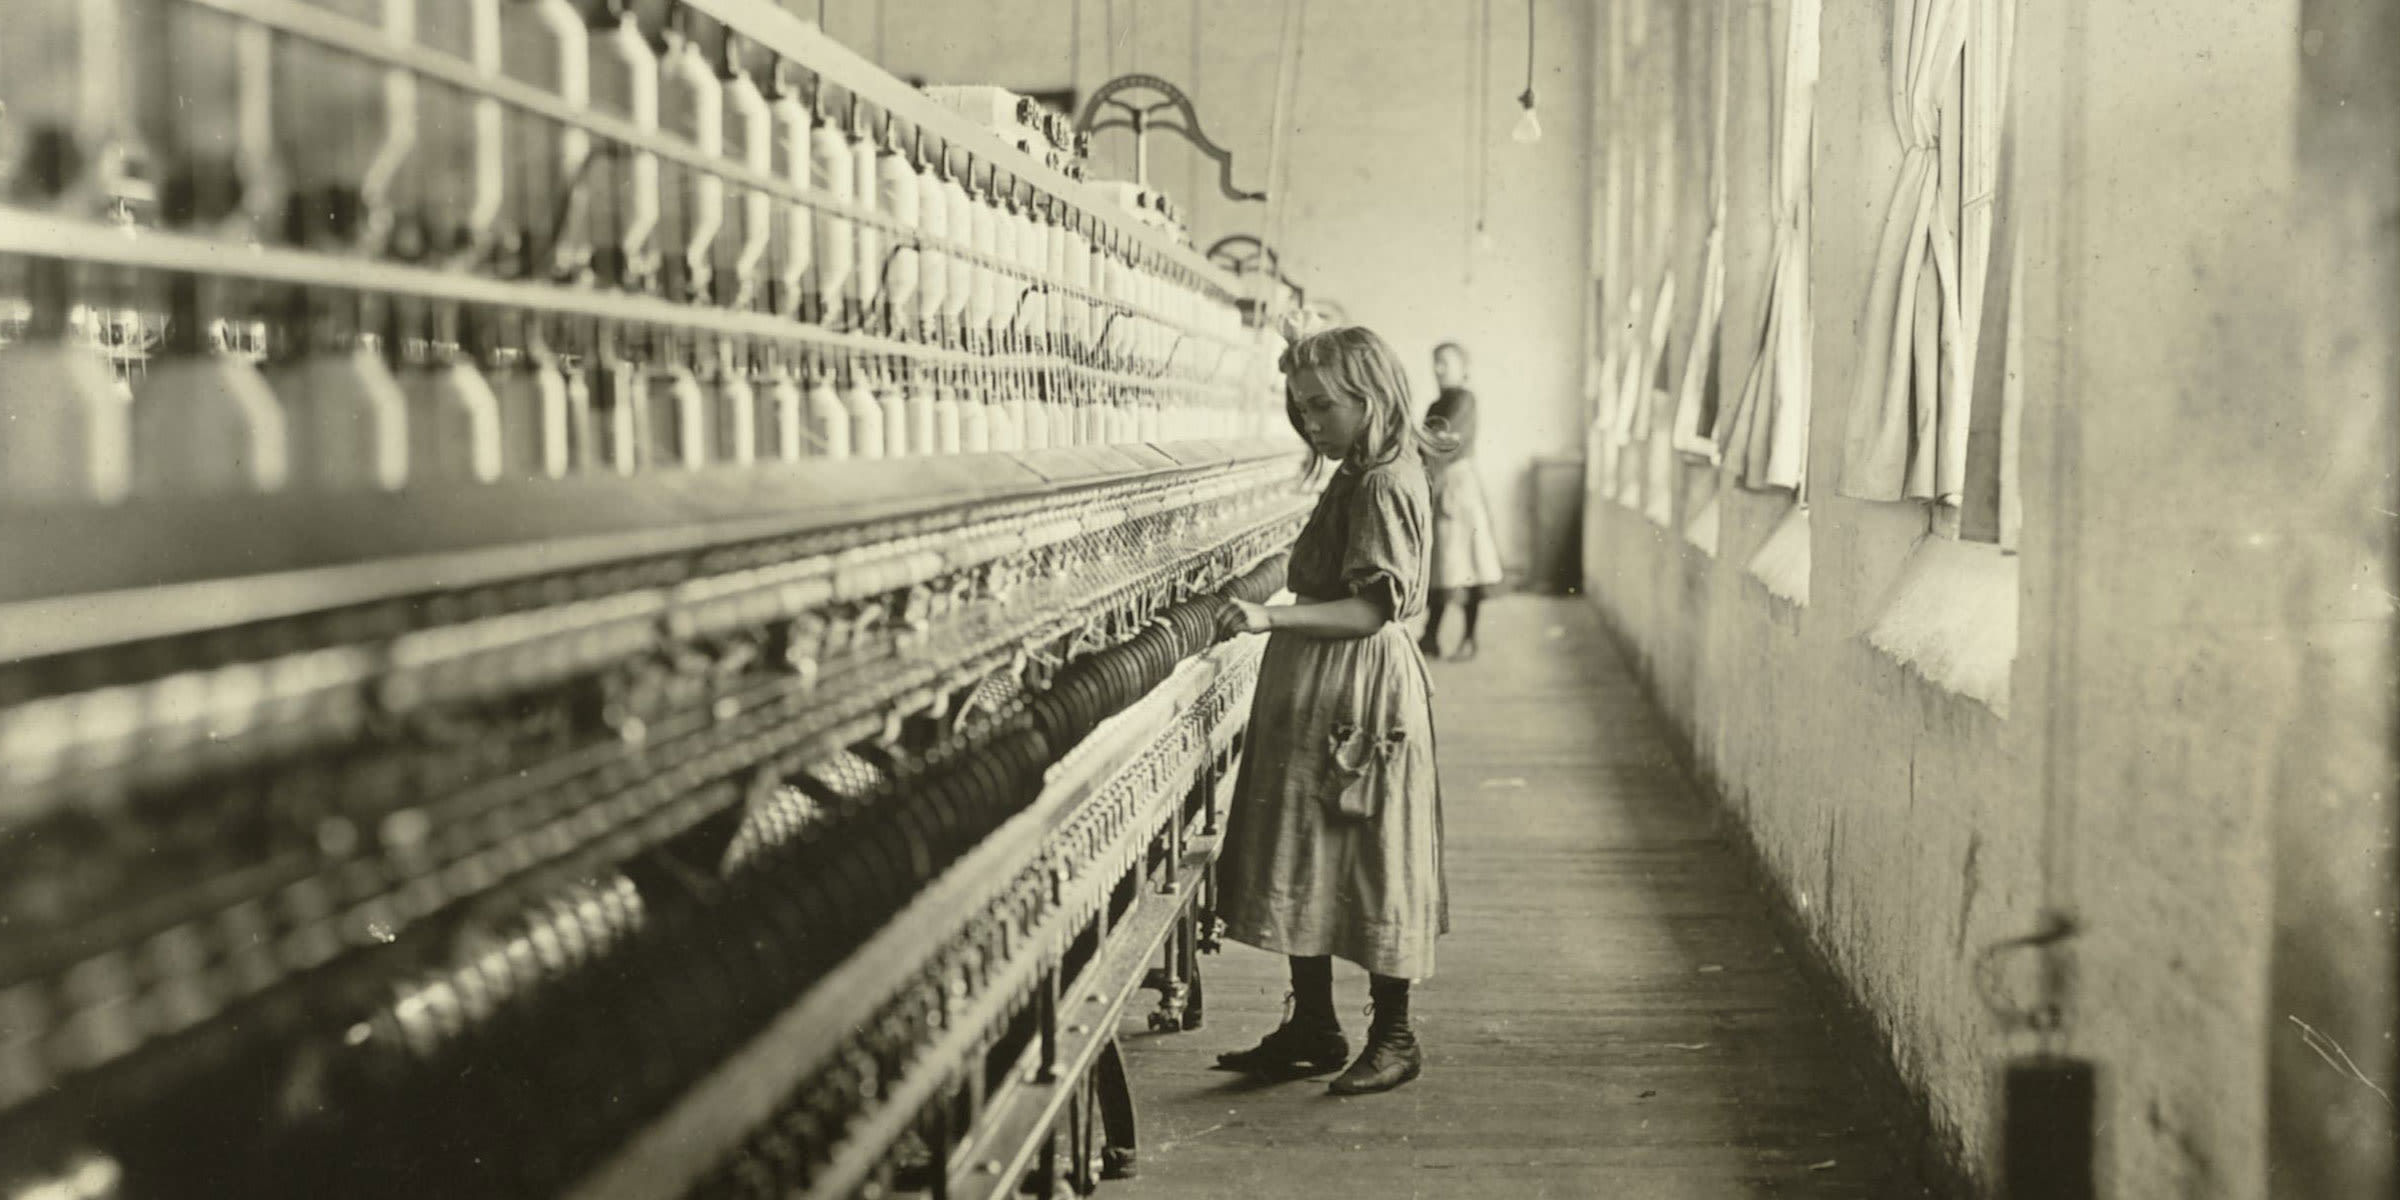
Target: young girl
[1334, 842]
[1466, 557]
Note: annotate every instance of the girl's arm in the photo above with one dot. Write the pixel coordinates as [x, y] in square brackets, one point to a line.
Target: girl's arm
[1450, 433]
[1461, 424]
[1386, 538]
[1356, 617]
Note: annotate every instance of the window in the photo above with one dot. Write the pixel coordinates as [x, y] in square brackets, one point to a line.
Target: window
[1991, 210]
[1934, 420]
[1765, 433]
[1697, 391]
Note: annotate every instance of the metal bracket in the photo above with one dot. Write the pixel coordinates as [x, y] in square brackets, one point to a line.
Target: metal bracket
[1141, 119]
[1242, 253]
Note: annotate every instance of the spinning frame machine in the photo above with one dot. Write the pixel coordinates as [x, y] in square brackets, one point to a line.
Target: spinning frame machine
[525, 670]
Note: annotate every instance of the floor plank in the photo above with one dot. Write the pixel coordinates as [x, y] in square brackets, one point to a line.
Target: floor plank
[1613, 1015]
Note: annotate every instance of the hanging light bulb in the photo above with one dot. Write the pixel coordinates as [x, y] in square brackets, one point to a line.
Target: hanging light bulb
[1529, 127]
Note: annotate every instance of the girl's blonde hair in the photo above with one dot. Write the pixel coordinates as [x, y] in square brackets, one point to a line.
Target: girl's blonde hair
[1358, 364]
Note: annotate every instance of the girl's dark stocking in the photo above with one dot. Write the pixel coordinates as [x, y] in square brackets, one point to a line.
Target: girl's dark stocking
[1474, 609]
[1436, 605]
[1312, 991]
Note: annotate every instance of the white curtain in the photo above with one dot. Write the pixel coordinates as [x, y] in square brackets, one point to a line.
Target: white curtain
[1692, 391]
[1610, 124]
[1643, 365]
[1907, 435]
[1625, 398]
[1657, 426]
[1637, 401]
[1636, 404]
[1765, 433]
[1613, 427]
[1601, 479]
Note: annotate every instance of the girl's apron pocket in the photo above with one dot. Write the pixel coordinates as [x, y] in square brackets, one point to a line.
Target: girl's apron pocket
[1359, 759]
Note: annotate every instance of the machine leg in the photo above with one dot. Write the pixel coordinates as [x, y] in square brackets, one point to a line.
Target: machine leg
[1194, 1011]
[1204, 913]
[1091, 1156]
[1048, 1069]
[1187, 950]
[1046, 1180]
[1087, 1138]
[939, 1171]
[1173, 981]
[1114, 1092]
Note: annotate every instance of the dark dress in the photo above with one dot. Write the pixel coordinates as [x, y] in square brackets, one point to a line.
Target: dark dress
[1466, 553]
[1333, 844]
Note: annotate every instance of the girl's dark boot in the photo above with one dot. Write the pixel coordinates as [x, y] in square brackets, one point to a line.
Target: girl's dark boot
[1311, 1035]
[1391, 1057]
[1310, 1040]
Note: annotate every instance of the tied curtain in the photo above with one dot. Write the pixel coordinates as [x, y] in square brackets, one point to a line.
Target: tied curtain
[1609, 416]
[1907, 435]
[1656, 428]
[1638, 215]
[1695, 390]
[1765, 434]
[1609, 122]
[1636, 402]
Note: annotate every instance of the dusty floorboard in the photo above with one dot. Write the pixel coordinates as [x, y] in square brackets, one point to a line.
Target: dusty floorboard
[1613, 1015]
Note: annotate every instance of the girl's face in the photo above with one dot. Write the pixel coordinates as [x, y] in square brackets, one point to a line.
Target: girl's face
[1331, 422]
[1449, 370]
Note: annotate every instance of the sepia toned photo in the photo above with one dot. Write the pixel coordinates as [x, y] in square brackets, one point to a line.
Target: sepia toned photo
[1199, 599]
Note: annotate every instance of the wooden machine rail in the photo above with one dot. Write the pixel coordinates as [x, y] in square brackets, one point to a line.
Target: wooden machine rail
[1150, 776]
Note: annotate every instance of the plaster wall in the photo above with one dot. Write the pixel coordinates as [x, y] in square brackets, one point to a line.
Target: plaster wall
[1383, 186]
[2198, 708]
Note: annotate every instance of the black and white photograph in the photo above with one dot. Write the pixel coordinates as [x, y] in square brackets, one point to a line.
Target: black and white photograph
[1199, 599]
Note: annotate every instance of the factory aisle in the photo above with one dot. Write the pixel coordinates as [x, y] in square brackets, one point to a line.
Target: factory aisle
[1613, 1015]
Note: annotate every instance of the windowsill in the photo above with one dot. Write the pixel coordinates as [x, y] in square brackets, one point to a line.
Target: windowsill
[1629, 489]
[1952, 619]
[1703, 529]
[1782, 563]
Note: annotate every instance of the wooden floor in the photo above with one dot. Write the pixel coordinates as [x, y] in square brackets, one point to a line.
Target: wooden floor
[1613, 1015]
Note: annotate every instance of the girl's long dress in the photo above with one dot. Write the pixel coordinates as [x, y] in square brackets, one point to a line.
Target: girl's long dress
[1334, 842]
[1466, 553]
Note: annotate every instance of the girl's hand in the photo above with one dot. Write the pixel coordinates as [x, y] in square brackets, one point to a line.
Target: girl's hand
[1240, 616]
[1443, 439]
